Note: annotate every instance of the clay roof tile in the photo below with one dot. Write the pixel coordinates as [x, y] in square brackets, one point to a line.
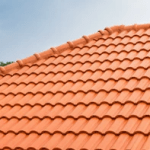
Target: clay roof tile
[90, 93]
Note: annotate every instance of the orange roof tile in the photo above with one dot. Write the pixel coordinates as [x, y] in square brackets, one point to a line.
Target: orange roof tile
[91, 93]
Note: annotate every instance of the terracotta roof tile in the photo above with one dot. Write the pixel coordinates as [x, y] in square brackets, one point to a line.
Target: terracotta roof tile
[91, 93]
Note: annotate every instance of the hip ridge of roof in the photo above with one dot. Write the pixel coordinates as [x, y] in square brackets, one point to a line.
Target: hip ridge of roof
[70, 45]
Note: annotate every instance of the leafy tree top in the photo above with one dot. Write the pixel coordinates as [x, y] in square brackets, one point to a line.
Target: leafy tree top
[4, 64]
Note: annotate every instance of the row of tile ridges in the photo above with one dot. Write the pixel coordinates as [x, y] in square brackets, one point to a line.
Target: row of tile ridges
[101, 67]
[101, 144]
[83, 142]
[92, 79]
[74, 103]
[102, 98]
[78, 133]
[129, 55]
[29, 118]
[132, 68]
[78, 76]
[139, 111]
[108, 87]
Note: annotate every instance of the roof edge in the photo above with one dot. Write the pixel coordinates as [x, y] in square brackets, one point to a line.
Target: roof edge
[70, 45]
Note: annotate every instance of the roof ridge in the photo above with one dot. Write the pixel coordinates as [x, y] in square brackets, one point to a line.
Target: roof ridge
[71, 45]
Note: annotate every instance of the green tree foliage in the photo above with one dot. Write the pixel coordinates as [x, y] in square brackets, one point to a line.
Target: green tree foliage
[4, 64]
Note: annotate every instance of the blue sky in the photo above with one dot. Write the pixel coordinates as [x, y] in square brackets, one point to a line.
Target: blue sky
[32, 26]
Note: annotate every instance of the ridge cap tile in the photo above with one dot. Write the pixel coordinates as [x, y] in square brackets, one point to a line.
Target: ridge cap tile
[71, 44]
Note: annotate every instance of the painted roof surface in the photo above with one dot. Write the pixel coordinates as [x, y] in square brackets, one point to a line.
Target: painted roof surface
[92, 93]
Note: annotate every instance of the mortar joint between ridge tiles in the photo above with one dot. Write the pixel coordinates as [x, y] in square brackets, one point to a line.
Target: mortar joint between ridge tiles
[37, 56]
[54, 50]
[3, 70]
[109, 30]
[20, 63]
[86, 38]
[71, 44]
[135, 27]
[101, 32]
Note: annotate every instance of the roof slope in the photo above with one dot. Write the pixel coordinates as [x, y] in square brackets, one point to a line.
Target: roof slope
[92, 93]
